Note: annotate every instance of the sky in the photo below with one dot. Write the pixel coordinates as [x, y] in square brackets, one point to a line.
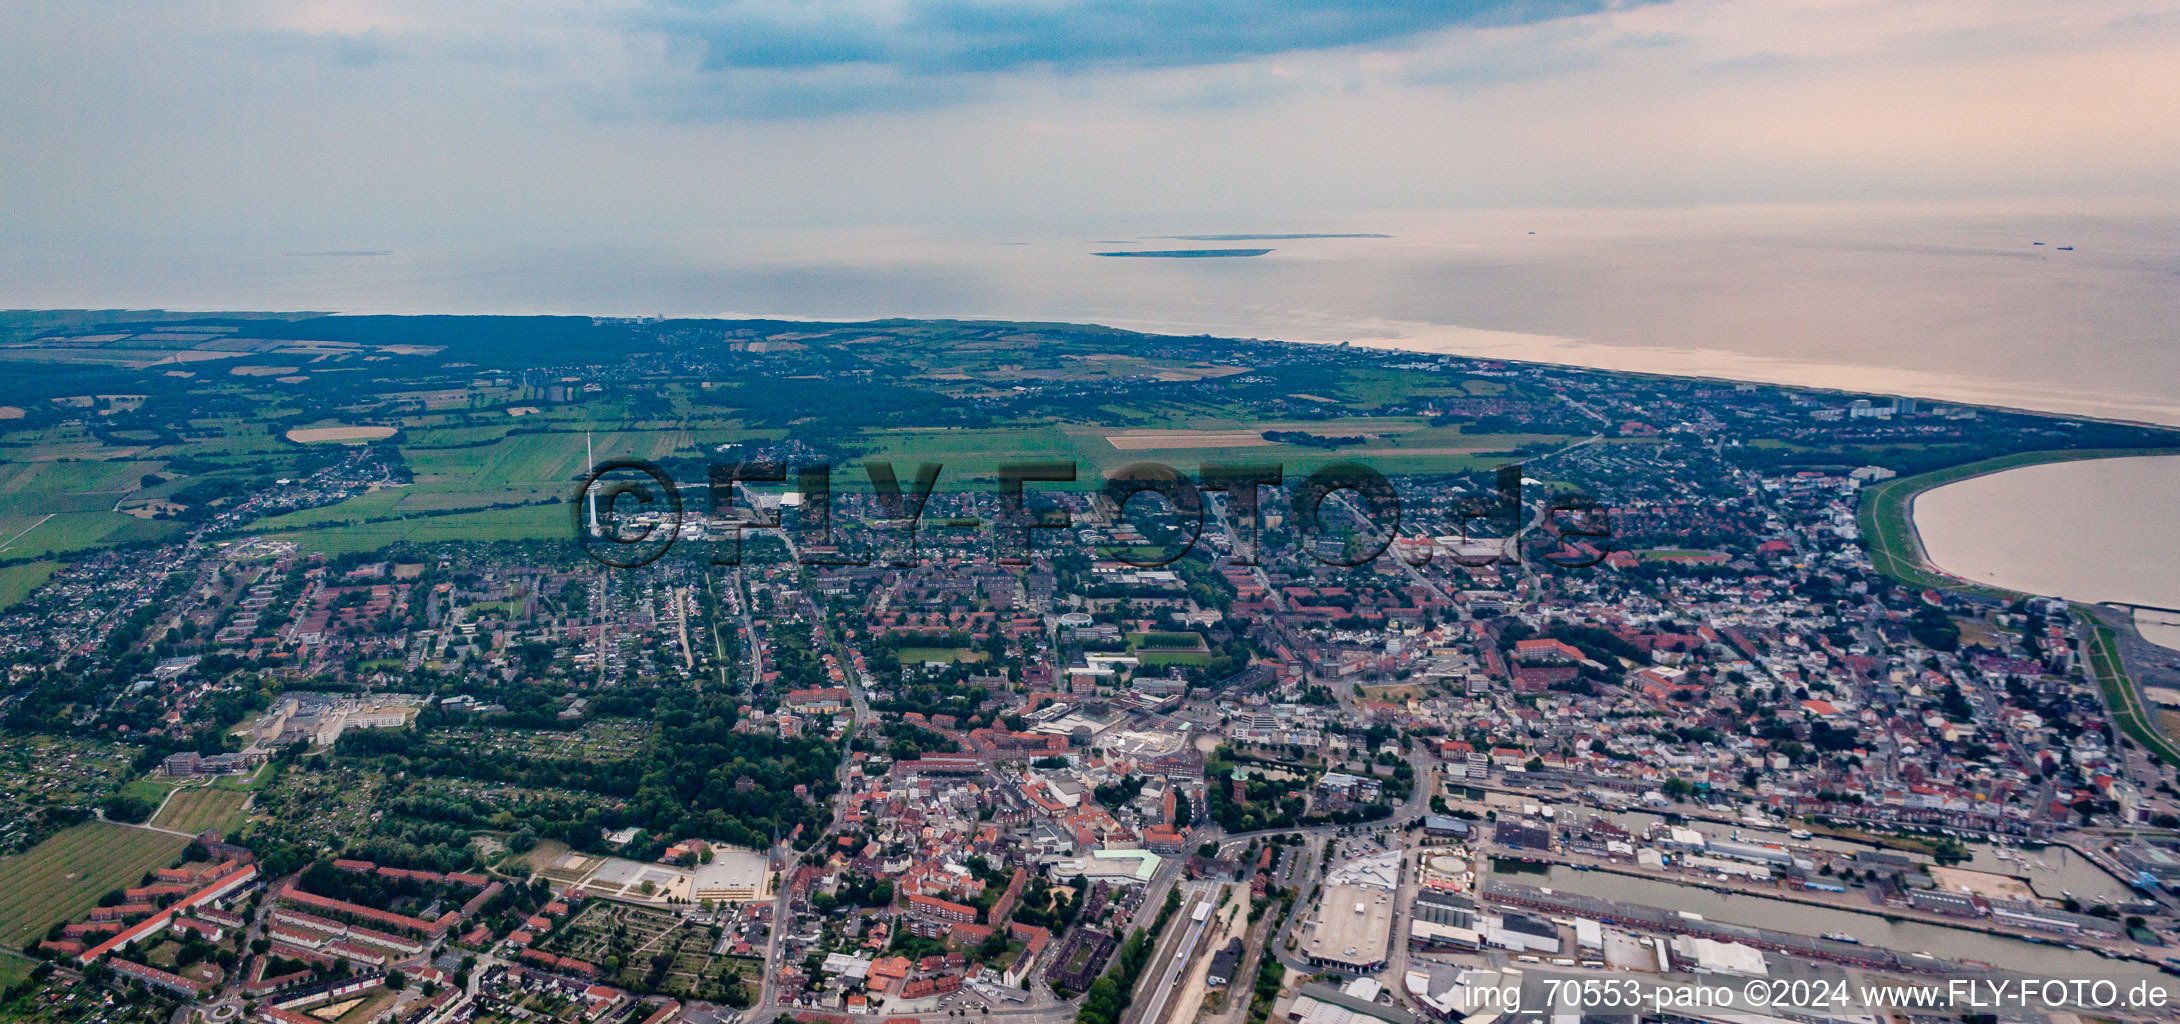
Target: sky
[188, 126]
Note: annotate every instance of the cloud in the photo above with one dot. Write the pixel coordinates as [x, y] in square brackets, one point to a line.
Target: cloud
[695, 60]
[942, 37]
[312, 125]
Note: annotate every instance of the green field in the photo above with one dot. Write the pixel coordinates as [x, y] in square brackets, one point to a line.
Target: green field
[531, 463]
[17, 581]
[62, 878]
[69, 486]
[1887, 514]
[2128, 712]
[50, 507]
[63, 532]
[14, 969]
[530, 522]
[919, 655]
[394, 503]
[966, 454]
[1398, 444]
[151, 791]
[201, 807]
[1167, 639]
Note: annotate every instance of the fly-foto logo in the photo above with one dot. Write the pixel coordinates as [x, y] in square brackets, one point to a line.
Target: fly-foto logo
[630, 512]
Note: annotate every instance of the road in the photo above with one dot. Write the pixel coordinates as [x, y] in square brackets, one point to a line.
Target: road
[782, 918]
[681, 625]
[749, 629]
[1217, 503]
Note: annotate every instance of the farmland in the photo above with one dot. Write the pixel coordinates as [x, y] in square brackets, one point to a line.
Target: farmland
[966, 454]
[196, 808]
[530, 522]
[481, 458]
[339, 434]
[63, 877]
[52, 507]
[17, 581]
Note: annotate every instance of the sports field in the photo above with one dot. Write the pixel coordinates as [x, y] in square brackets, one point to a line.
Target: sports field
[63, 877]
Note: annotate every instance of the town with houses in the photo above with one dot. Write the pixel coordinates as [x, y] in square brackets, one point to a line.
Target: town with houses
[1066, 774]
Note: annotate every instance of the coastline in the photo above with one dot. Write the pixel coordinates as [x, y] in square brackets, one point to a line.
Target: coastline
[1887, 521]
[1887, 515]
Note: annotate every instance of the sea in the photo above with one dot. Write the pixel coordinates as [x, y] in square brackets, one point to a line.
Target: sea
[2098, 530]
[2040, 308]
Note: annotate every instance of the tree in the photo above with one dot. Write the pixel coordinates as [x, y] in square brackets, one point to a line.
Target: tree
[133, 810]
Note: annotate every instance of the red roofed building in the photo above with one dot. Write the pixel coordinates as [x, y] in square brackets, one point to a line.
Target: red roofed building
[220, 886]
[157, 978]
[819, 700]
[920, 905]
[670, 1013]
[121, 911]
[1546, 651]
[289, 893]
